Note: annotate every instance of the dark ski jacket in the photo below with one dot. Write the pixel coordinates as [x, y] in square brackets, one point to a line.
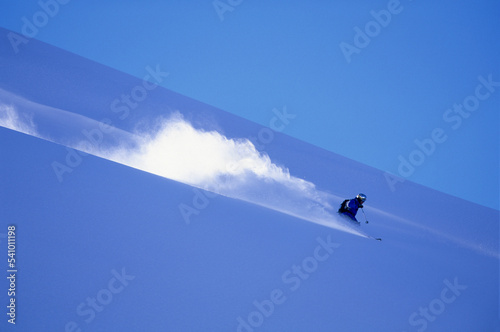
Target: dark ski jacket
[350, 207]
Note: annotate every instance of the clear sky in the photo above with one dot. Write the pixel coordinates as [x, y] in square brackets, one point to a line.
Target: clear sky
[108, 248]
[367, 97]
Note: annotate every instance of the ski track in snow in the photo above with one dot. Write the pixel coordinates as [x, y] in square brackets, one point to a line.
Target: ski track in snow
[174, 149]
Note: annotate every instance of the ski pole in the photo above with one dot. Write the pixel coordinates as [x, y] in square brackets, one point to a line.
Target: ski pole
[366, 220]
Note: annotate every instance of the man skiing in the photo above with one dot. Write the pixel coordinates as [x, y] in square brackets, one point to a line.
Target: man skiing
[350, 207]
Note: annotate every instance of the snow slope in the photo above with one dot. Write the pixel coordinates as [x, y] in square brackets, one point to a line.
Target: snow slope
[106, 247]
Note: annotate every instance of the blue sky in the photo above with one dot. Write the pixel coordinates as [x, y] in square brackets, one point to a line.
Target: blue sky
[262, 56]
[117, 234]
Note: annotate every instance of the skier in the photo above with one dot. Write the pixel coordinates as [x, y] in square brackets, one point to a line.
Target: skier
[350, 207]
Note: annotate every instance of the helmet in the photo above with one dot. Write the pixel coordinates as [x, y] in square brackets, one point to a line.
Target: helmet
[361, 198]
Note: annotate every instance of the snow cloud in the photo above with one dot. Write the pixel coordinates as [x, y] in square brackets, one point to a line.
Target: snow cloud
[173, 148]
[9, 118]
